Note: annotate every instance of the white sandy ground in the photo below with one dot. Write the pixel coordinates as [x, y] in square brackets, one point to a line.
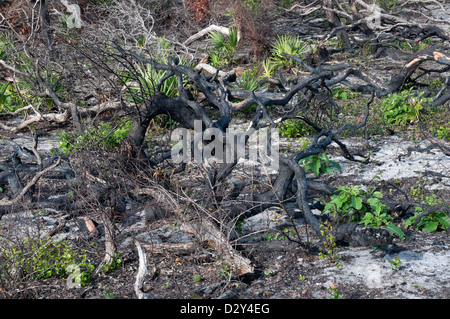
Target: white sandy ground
[385, 163]
[424, 267]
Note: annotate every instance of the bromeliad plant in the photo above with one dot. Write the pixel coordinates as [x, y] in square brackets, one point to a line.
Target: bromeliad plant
[269, 68]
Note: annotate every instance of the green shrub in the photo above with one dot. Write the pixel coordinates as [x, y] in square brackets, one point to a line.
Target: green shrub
[103, 136]
[402, 108]
[9, 98]
[353, 204]
[43, 258]
[295, 128]
[17, 94]
[443, 131]
[436, 221]
[113, 265]
[343, 93]
[319, 164]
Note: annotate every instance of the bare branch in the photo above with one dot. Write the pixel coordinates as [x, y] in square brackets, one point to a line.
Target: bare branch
[5, 202]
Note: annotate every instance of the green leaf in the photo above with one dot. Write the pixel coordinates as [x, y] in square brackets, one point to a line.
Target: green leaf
[344, 96]
[377, 194]
[367, 219]
[430, 227]
[444, 220]
[328, 206]
[315, 167]
[395, 230]
[335, 164]
[357, 203]
[374, 202]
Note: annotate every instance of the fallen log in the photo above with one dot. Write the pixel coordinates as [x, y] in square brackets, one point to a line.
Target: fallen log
[208, 234]
[140, 276]
[205, 31]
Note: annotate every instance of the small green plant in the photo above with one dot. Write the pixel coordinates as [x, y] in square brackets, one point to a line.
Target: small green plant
[286, 4]
[268, 272]
[248, 80]
[443, 131]
[331, 253]
[352, 203]
[103, 136]
[44, 258]
[197, 277]
[346, 203]
[290, 45]
[146, 81]
[412, 47]
[402, 108]
[113, 265]
[387, 4]
[238, 226]
[334, 291]
[342, 93]
[108, 293]
[269, 68]
[435, 221]
[378, 215]
[319, 164]
[294, 128]
[396, 263]
[273, 237]
[149, 79]
[224, 268]
[224, 48]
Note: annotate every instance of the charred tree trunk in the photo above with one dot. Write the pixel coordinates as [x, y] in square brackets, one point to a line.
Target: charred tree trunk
[335, 22]
[133, 146]
[110, 240]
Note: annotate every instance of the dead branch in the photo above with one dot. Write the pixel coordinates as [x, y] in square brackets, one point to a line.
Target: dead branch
[50, 117]
[208, 234]
[205, 31]
[170, 248]
[5, 202]
[213, 71]
[142, 272]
